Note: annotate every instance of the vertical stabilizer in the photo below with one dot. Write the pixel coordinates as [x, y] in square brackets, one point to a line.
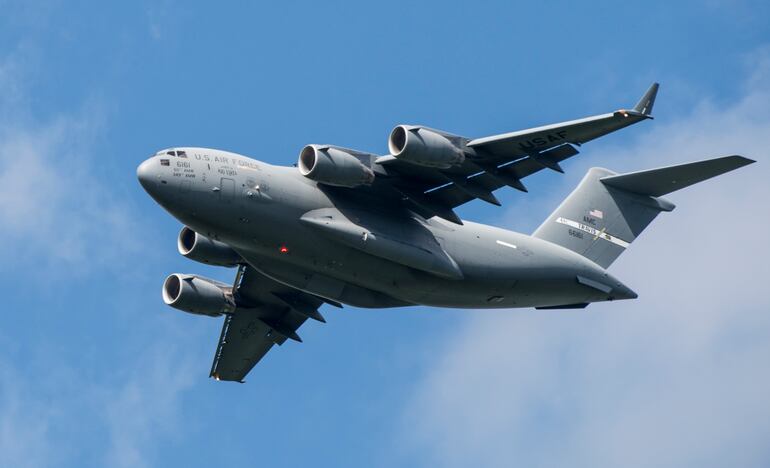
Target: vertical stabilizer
[607, 211]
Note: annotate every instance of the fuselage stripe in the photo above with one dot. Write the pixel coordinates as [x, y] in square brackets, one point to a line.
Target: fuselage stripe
[593, 231]
[506, 244]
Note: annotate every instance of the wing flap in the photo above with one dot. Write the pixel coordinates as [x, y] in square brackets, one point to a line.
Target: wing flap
[267, 313]
[495, 177]
[241, 346]
[501, 160]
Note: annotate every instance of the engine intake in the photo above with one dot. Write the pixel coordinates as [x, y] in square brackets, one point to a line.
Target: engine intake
[425, 147]
[209, 251]
[197, 295]
[336, 166]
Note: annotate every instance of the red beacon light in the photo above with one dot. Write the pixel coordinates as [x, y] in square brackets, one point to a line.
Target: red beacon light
[283, 249]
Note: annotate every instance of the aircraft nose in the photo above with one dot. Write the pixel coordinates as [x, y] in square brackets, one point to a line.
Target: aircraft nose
[146, 173]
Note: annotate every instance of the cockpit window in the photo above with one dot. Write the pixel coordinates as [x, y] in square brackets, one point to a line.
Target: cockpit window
[178, 154]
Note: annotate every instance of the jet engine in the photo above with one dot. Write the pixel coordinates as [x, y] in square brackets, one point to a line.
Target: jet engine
[197, 295]
[425, 147]
[209, 251]
[332, 165]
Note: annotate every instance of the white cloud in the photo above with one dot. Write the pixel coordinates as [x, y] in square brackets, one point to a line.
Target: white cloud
[146, 406]
[56, 209]
[60, 214]
[677, 377]
[123, 414]
[24, 432]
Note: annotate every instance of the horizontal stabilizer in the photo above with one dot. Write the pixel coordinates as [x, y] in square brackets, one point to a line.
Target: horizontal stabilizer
[607, 211]
[660, 181]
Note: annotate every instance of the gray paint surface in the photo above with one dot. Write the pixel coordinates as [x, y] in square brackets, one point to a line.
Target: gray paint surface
[394, 240]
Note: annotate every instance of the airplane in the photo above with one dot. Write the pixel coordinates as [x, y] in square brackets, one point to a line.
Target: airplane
[350, 227]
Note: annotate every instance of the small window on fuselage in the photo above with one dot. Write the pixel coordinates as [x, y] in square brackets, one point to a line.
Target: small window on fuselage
[164, 162]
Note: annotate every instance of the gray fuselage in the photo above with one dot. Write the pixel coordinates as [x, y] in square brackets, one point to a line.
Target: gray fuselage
[257, 208]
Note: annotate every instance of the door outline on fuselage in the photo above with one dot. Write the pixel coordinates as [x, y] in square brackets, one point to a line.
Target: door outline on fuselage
[226, 189]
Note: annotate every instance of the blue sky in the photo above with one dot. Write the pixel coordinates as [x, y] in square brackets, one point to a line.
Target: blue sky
[96, 371]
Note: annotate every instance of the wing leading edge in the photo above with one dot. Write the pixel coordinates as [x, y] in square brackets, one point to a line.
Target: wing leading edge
[503, 160]
[524, 142]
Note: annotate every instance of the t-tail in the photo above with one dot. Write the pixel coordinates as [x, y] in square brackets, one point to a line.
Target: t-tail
[608, 211]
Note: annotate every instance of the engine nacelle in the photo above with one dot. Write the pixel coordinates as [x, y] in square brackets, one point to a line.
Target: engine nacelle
[425, 147]
[332, 165]
[197, 295]
[209, 251]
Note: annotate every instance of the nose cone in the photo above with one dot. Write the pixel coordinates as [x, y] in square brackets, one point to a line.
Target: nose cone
[146, 174]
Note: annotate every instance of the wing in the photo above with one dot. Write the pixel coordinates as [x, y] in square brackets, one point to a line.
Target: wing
[502, 160]
[267, 313]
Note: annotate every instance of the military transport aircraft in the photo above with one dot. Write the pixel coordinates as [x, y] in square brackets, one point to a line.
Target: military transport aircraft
[350, 227]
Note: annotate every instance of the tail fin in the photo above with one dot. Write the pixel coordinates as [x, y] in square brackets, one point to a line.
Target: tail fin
[607, 211]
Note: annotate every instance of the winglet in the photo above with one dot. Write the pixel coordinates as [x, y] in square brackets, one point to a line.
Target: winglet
[644, 106]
